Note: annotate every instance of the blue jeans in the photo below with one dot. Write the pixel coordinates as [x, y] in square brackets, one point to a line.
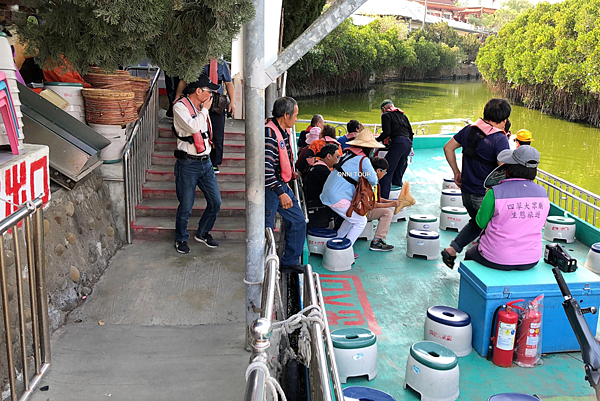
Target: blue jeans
[189, 174]
[471, 231]
[397, 158]
[295, 225]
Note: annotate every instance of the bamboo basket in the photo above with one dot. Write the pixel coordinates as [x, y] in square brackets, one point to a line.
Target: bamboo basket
[119, 80]
[109, 107]
[140, 87]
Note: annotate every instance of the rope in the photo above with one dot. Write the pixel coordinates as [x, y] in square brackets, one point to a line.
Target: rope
[270, 381]
[267, 259]
[300, 321]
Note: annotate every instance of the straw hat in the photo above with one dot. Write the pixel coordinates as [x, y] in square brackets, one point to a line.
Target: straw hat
[365, 139]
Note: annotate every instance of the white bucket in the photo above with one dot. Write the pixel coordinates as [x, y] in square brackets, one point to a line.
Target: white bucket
[118, 138]
[6, 57]
[71, 92]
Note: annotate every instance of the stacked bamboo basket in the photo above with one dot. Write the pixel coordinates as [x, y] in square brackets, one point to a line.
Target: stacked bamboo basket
[112, 103]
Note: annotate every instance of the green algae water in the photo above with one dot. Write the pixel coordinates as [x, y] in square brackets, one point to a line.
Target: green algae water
[568, 150]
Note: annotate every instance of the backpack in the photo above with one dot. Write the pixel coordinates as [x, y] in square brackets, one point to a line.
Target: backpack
[363, 200]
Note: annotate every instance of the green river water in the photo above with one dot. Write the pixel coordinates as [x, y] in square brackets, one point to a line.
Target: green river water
[568, 150]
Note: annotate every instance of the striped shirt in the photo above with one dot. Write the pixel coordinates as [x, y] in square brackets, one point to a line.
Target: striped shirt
[273, 180]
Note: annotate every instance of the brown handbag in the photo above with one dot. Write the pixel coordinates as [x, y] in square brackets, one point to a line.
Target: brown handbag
[219, 103]
[363, 200]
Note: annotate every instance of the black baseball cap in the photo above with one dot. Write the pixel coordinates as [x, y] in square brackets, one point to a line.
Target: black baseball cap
[202, 82]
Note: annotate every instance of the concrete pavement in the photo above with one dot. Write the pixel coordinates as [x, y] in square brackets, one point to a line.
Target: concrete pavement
[172, 327]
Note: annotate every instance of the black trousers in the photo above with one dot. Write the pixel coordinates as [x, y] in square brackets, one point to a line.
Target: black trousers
[218, 133]
[171, 83]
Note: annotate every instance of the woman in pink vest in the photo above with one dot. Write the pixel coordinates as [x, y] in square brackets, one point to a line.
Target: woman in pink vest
[512, 214]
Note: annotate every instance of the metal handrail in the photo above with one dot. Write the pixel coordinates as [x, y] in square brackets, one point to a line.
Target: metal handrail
[30, 216]
[297, 182]
[261, 328]
[137, 154]
[571, 197]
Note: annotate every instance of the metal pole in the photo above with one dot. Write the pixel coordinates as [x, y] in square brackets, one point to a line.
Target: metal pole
[270, 97]
[254, 99]
[424, 16]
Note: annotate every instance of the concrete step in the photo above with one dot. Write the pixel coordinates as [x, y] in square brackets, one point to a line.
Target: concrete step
[165, 173]
[168, 208]
[226, 228]
[169, 144]
[166, 190]
[229, 136]
[166, 158]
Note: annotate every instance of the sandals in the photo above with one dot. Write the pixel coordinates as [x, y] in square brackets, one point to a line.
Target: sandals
[447, 259]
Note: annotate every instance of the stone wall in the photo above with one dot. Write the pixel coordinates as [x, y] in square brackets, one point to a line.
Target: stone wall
[79, 239]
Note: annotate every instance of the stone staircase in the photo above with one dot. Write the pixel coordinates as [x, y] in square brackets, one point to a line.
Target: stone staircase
[155, 215]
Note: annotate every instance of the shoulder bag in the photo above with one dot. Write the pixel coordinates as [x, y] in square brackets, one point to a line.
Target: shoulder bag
[363, 200]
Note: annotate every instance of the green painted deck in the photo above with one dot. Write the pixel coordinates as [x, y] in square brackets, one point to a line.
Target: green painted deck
[390, 293]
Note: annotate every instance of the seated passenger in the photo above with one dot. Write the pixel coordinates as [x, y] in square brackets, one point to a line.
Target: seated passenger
[307, 156]
[512, 215]
[316, 121]
[319, 215]
[340, 186]
[353, 129]
[382, 211]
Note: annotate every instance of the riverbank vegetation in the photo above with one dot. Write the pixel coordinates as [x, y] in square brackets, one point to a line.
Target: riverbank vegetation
[353, 57]
[549, 59]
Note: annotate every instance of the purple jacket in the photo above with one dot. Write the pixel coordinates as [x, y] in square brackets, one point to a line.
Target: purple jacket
[514, 234]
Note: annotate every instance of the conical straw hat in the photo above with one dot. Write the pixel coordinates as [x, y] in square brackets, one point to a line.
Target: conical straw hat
[365, 139]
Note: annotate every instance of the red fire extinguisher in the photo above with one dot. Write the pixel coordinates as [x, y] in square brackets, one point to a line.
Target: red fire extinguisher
[506, 330]
[529, 334]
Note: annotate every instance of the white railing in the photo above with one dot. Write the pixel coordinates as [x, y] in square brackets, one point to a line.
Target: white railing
[578, 201]
[26, 223]
[422, 126]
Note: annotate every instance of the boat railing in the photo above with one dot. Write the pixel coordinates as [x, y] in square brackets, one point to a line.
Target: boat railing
[422, 127]
[323, 374]
[27, 226]
[137, 153]
[261, 328]
[576, 200]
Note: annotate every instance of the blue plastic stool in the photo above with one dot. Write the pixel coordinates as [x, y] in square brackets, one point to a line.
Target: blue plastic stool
[317, 238]
[513, 397]
[338, 255]
[366, 393]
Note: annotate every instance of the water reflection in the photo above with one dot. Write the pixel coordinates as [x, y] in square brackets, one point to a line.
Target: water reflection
[569, 150]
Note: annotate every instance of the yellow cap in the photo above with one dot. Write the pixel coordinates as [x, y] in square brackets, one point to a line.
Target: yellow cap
[524, 136]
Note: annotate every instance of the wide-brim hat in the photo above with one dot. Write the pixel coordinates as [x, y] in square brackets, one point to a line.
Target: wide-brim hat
[365, 139]
[524, 155]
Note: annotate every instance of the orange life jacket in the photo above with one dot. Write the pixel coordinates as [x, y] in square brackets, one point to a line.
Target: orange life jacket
[287, 173]
[198, 136]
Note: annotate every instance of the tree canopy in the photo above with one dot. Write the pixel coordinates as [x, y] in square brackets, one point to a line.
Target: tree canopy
[299, 15]
[551, 53]
[509, 12]
[180, 36]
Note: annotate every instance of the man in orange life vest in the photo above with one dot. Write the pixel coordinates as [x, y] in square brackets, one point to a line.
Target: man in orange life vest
[192, 127]
[279, 171]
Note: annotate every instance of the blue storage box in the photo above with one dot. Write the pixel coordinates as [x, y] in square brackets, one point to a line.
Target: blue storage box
[483, 289]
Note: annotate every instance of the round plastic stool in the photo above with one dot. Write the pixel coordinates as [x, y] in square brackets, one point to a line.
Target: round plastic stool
[451, 197]
[366, 393]
[450, 327]
[394, 192]
[368, 232]
[423, 243]
[317, 239]
[558, 227]
[432, 371]
[339, 255]
[453, 218]
[355, 351]
[449, 183]
[424, 222]
[512, 397]
[401, 215]
[593, 258]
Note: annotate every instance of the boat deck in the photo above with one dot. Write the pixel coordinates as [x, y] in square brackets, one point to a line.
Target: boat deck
[390, 293]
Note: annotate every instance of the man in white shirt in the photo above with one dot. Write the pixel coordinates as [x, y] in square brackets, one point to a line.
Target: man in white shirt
[192, 127]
